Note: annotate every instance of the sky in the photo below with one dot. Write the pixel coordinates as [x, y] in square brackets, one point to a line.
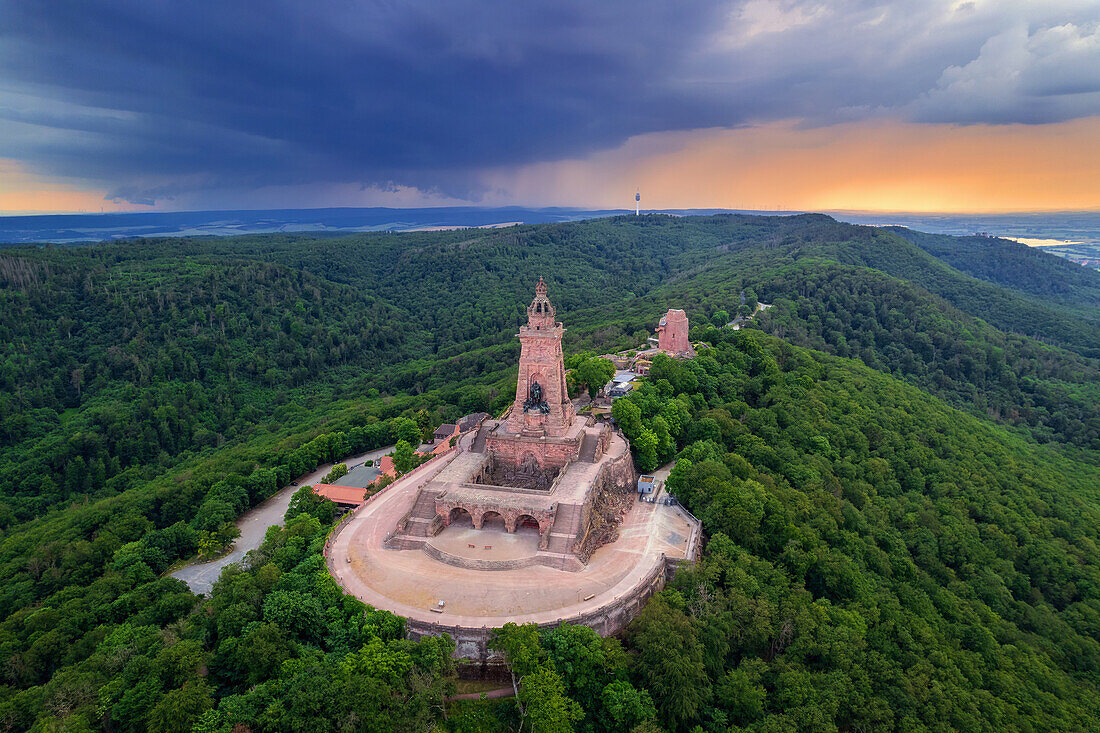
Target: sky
[916, 105]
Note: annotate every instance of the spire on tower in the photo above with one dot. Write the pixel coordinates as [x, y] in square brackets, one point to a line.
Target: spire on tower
[540, 314]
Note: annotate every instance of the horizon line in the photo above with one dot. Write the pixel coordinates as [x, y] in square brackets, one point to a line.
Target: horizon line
[611, 211]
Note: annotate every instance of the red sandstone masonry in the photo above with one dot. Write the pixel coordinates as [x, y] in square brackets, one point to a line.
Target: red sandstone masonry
[516, 449]
[541, 361]
[672, 333]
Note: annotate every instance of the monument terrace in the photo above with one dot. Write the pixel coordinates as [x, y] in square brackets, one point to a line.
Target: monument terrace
[529, 518]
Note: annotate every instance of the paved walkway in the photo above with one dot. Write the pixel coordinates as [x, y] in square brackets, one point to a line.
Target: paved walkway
[253, 524]
[661, 475]
[458, 538]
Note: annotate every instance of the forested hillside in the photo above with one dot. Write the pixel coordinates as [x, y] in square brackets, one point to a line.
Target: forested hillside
[1012, 265]
[1011, 310]
[901, 535]
[876, 560]
[898, 328]
[113, 371]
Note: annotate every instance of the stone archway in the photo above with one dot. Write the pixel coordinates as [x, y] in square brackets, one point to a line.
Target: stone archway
[492, 520]
[527, 523]
[459, 517]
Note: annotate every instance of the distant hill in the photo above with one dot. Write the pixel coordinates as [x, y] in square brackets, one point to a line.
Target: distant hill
[83, 228]
[73, 228]
[1014, 266]
[455, 294]
[1075, 226]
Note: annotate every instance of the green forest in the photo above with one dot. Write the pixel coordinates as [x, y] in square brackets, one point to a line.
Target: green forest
[897, 468]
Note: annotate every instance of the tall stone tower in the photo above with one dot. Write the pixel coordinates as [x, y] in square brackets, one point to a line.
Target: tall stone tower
[542, 407]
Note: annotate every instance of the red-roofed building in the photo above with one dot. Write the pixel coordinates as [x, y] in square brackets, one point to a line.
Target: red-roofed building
[386, 466]
[345, 496]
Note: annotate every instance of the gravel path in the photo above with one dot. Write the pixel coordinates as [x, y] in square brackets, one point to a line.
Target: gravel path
[253, 524]
[497, 694]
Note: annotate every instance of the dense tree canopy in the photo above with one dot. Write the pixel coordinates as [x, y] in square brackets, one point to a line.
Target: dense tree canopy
[876, 559]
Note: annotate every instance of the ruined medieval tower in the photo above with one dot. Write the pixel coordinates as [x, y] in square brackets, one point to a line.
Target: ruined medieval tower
[672, 334]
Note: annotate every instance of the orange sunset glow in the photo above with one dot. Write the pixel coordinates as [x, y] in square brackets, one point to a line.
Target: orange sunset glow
[870, 166]
[23, 194]
[882, 165]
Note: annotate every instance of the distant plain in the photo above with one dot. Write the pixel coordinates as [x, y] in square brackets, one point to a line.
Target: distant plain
[1076, 226]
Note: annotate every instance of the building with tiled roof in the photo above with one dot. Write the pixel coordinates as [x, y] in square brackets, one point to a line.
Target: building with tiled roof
[345, 496]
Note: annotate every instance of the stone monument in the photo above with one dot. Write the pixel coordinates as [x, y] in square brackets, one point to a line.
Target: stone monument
[530, 518]
[539, 466]
[542, 406]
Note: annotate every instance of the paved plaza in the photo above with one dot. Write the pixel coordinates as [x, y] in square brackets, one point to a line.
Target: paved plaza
[411, 582]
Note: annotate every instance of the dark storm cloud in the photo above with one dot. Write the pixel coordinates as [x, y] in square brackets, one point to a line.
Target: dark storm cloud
[153, 98]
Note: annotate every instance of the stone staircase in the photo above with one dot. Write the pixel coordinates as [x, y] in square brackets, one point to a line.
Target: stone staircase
[589, 446]
[419, 520]
[422, 514]
[415, 535]
[402, 542]
[566, 527]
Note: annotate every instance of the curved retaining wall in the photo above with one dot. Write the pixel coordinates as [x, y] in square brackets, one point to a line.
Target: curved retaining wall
[474, 564]
[609, 619]
[556, 561]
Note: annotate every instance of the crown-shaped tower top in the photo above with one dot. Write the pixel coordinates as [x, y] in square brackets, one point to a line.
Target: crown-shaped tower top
[540, 314]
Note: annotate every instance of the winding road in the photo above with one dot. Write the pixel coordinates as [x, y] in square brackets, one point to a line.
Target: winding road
[253, 524]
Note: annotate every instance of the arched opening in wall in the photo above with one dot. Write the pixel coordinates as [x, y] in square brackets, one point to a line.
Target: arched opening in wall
[493, 521]
[461, 518]
[527, 523]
